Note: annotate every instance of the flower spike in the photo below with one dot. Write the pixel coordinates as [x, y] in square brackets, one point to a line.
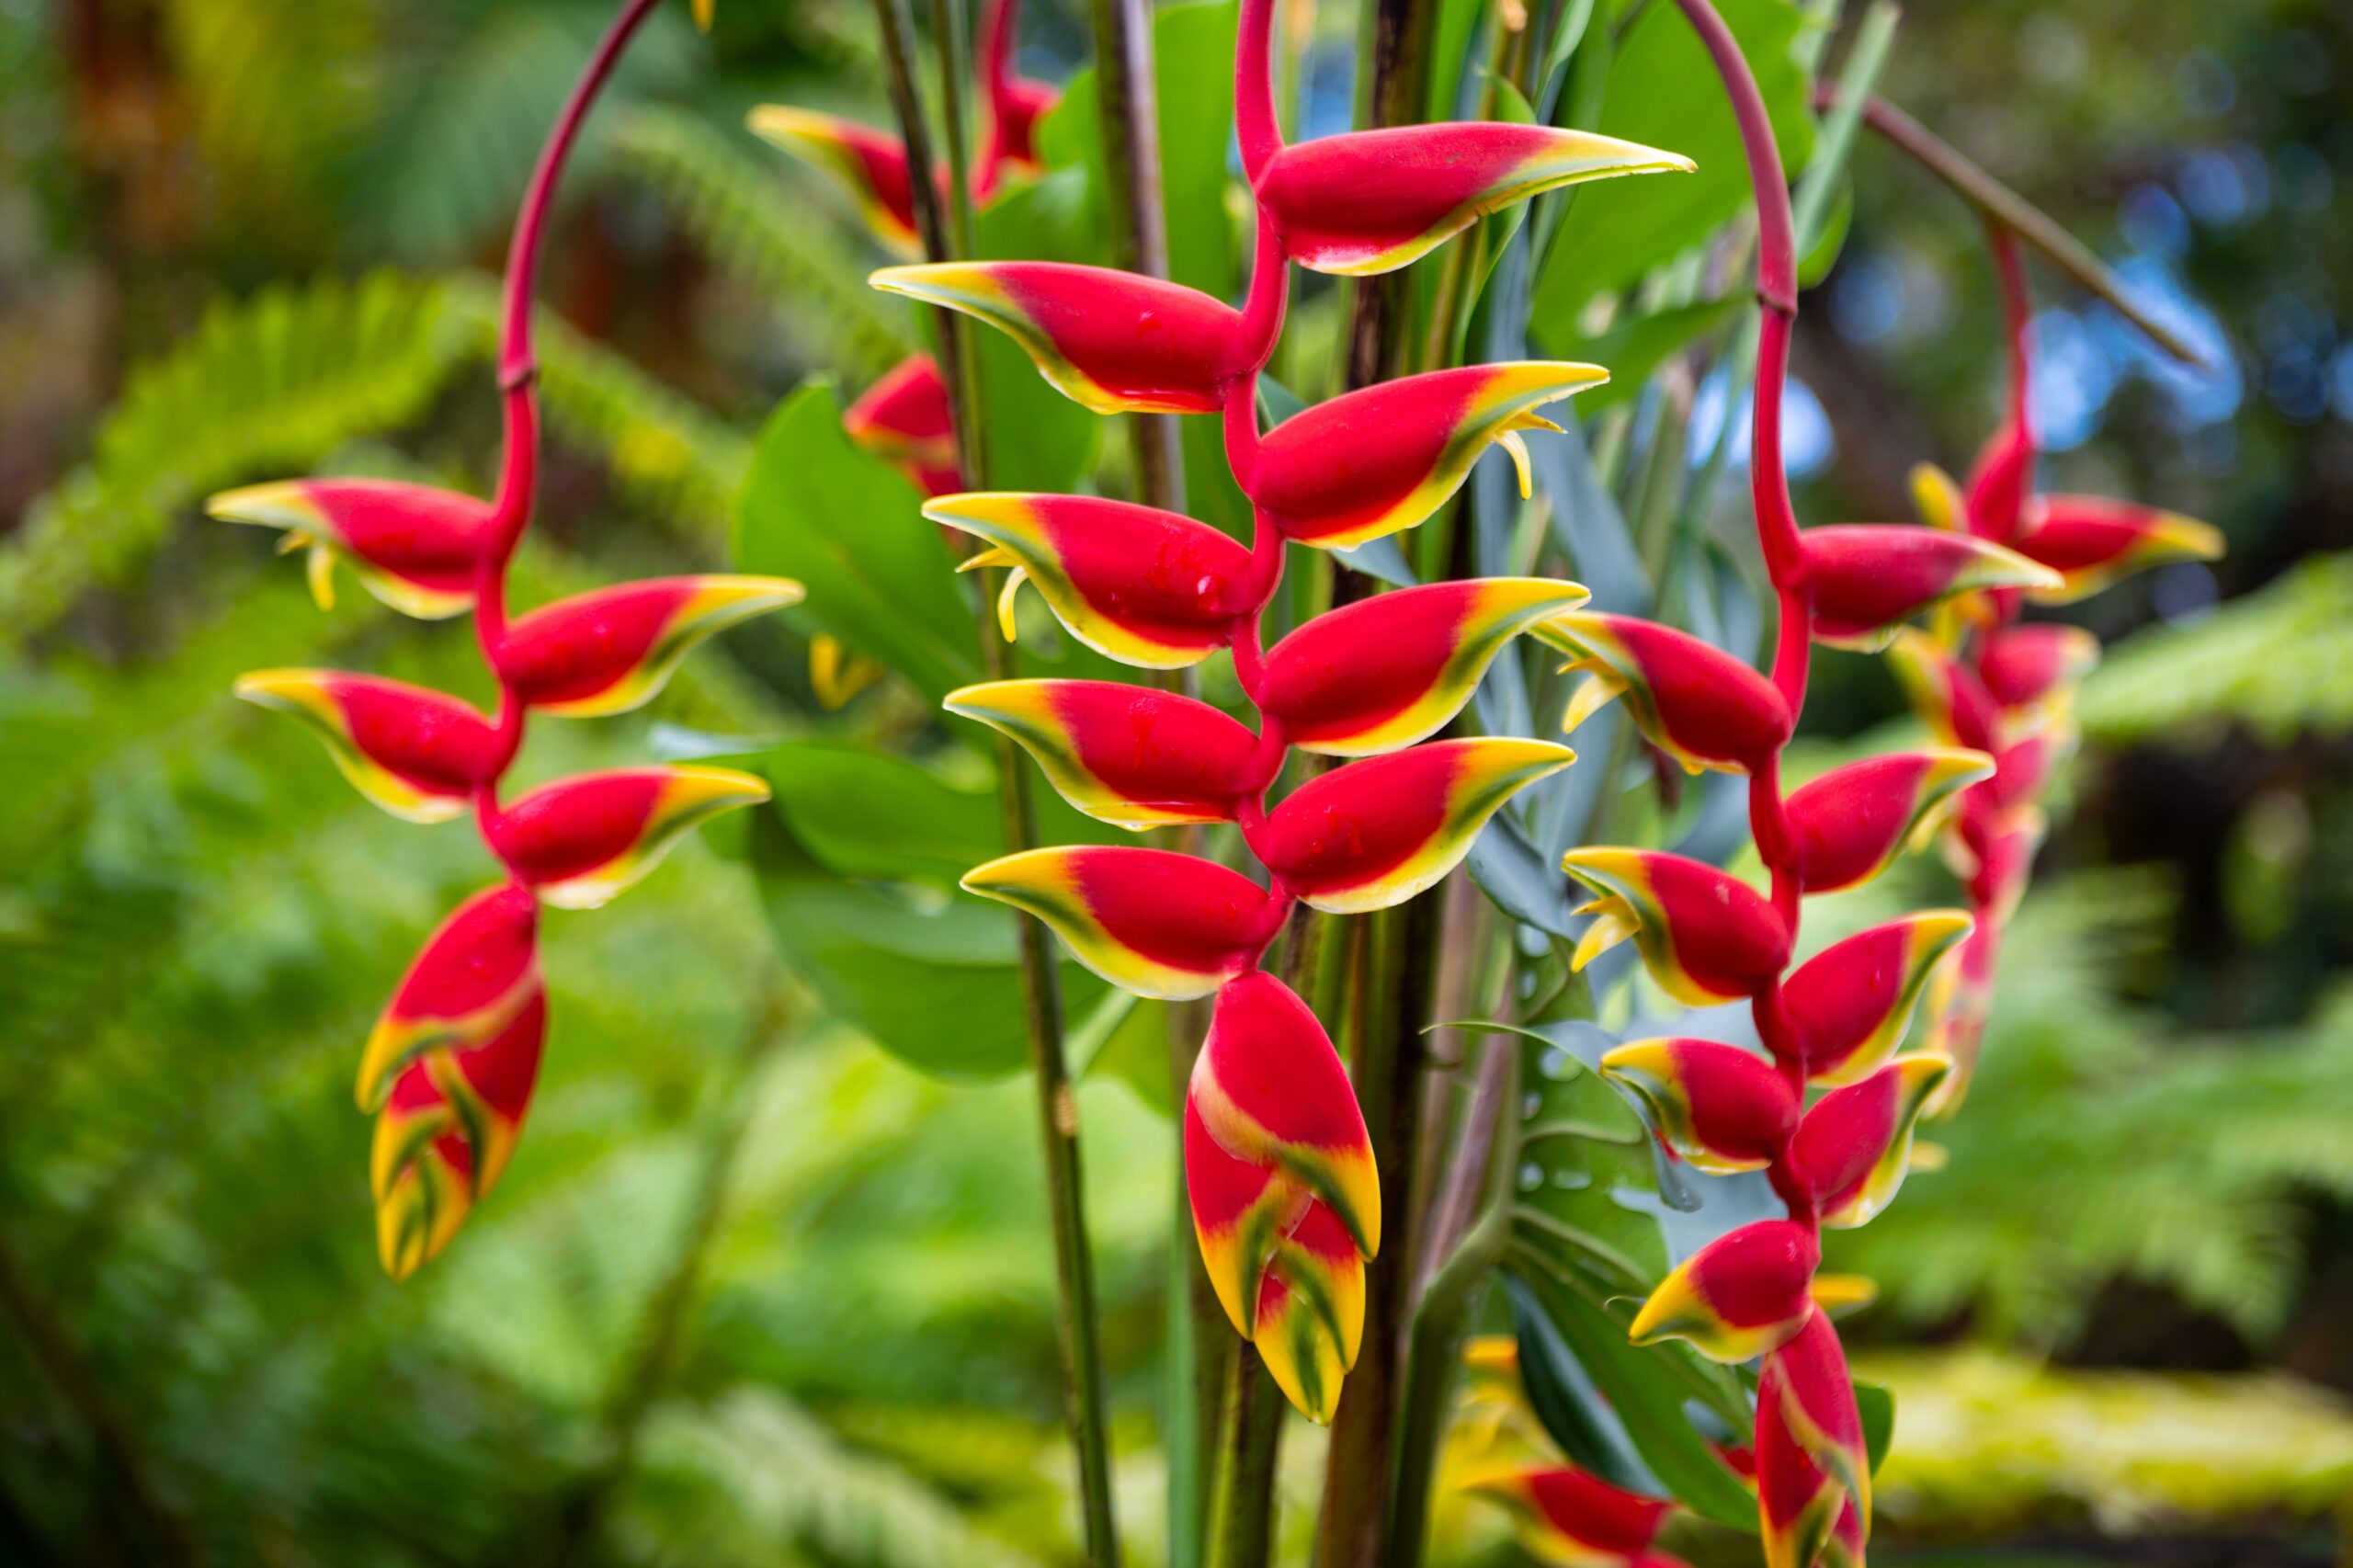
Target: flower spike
[1816, 1399]
[1372, 201]
[1705, 937]
[1869, 578]
[416, 549]
[1716, 1106]
[1694, 701]
[475, 977]
[1150, 921]
[613, 649]
[2089, 542]
[446, 1130]
[1392, 670]
[1113, 342]
[1143, 586]
[1376, 832]
[418, 754]
[1850, 824]
[1848, 1008]
[1855, 1145]
[580, 841]
[1382, 459]
[1741, 1295]
[1128, 756]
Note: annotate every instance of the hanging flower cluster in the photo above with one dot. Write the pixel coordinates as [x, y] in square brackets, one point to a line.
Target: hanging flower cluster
[450, 1067]
[1981, 678]
[1278, 1167]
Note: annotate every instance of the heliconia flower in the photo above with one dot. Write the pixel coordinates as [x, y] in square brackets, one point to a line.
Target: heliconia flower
[1388, 671]
[1129, 755]
[2023, 664]
[1945, 692]
[1135, 584]
[474, 976]
[905, 419]
[1377, 832]
[580, 841]
[445, 1135]
[1113, 342]
[1572, 1518]
[417, 753]
[1739, 1296]
[1694, 701]
[1866, 579]
[1285, 1197]
[1150, 921]
[415, 548]
[2000, 481]
[2004, 857]
[1853, 1148]
[1852, 824]
[1722, 1108]
[1848, 1008]
[869, 166]
[1705, 937]
[1014, 106]
[1803, 1498]
[611, 650]
[1383, 459]
[1371, 201]
[2091, 542]
[2027, 765]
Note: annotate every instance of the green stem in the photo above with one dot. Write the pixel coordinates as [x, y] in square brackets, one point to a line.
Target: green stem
[1242, 1513]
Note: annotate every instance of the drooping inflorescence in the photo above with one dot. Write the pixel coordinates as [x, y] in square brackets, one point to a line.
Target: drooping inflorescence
[450, 1067]
[1278, 1167]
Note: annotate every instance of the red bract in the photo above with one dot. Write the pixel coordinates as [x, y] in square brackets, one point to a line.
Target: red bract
[416, 752]
[904, 419]
[2024, 664]
[1124, 755]
[2000, 481]
[1866, 579]
[1113, 342]
[1149, 921]
[1694, 701]
[1379, 460]
[416, 549]
[1375, 832]
[1850, 824]
[1393, 669]
[1704, 936]
[1373, 201]
[1570, 1517]
[1804, 1496]
[613, 649]
[446, 1130]
[869, 166]
[1146, 587]
[473, 978]
[579, 842]
[1852, 1150]
[1846, 1008]
[1739, 1296]
[2090, 542]
[1717, 1106]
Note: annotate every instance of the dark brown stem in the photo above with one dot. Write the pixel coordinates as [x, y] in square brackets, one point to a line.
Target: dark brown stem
[1127, 96]
[1399, 53]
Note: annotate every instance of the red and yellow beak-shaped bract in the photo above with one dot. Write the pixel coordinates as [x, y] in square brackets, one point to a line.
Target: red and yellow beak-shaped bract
[415, 548]
[1869, 578]
[1945, 692]
[2090, 542]
[1146, 587]
[580, 841]
[1705, 937]
[1114, 342]
[445, 1134]
[1377, 832]
[1739, 1296]
[2005, 856]
[2025, 664]
[1388, 671]
[1372, 201]
[870, 166]
[1697, 703]
[475, 977]
[1719, 1106]
[905, 419]
[1125, 754]
[1378, 460]
[2000, 481]
[1850, 824]
[1150, 921]
[1855, 1145]
[417, 753]
[1813, 1474]
[610, 651]
[1285, 1197]
[1848, 1006]
[1573, 1519]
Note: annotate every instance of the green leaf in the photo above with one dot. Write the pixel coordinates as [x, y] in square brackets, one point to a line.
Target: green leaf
[1565, 1399]
[1822, 255]
[1631, 349]
[1878, 1406]
[1662, 92]
[817, 509]
[867, 814]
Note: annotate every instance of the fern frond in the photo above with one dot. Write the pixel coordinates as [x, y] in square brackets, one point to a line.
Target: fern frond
[738, 211]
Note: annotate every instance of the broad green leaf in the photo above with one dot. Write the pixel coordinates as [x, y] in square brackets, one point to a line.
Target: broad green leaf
[866, 814]
[1566, 1400]
[1631, 349]
[817, 509]
[1878, 1405]
[1662, 92]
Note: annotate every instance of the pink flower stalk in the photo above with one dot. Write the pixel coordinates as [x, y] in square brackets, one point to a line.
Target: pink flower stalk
[1278, 1167]
[450, 1067]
